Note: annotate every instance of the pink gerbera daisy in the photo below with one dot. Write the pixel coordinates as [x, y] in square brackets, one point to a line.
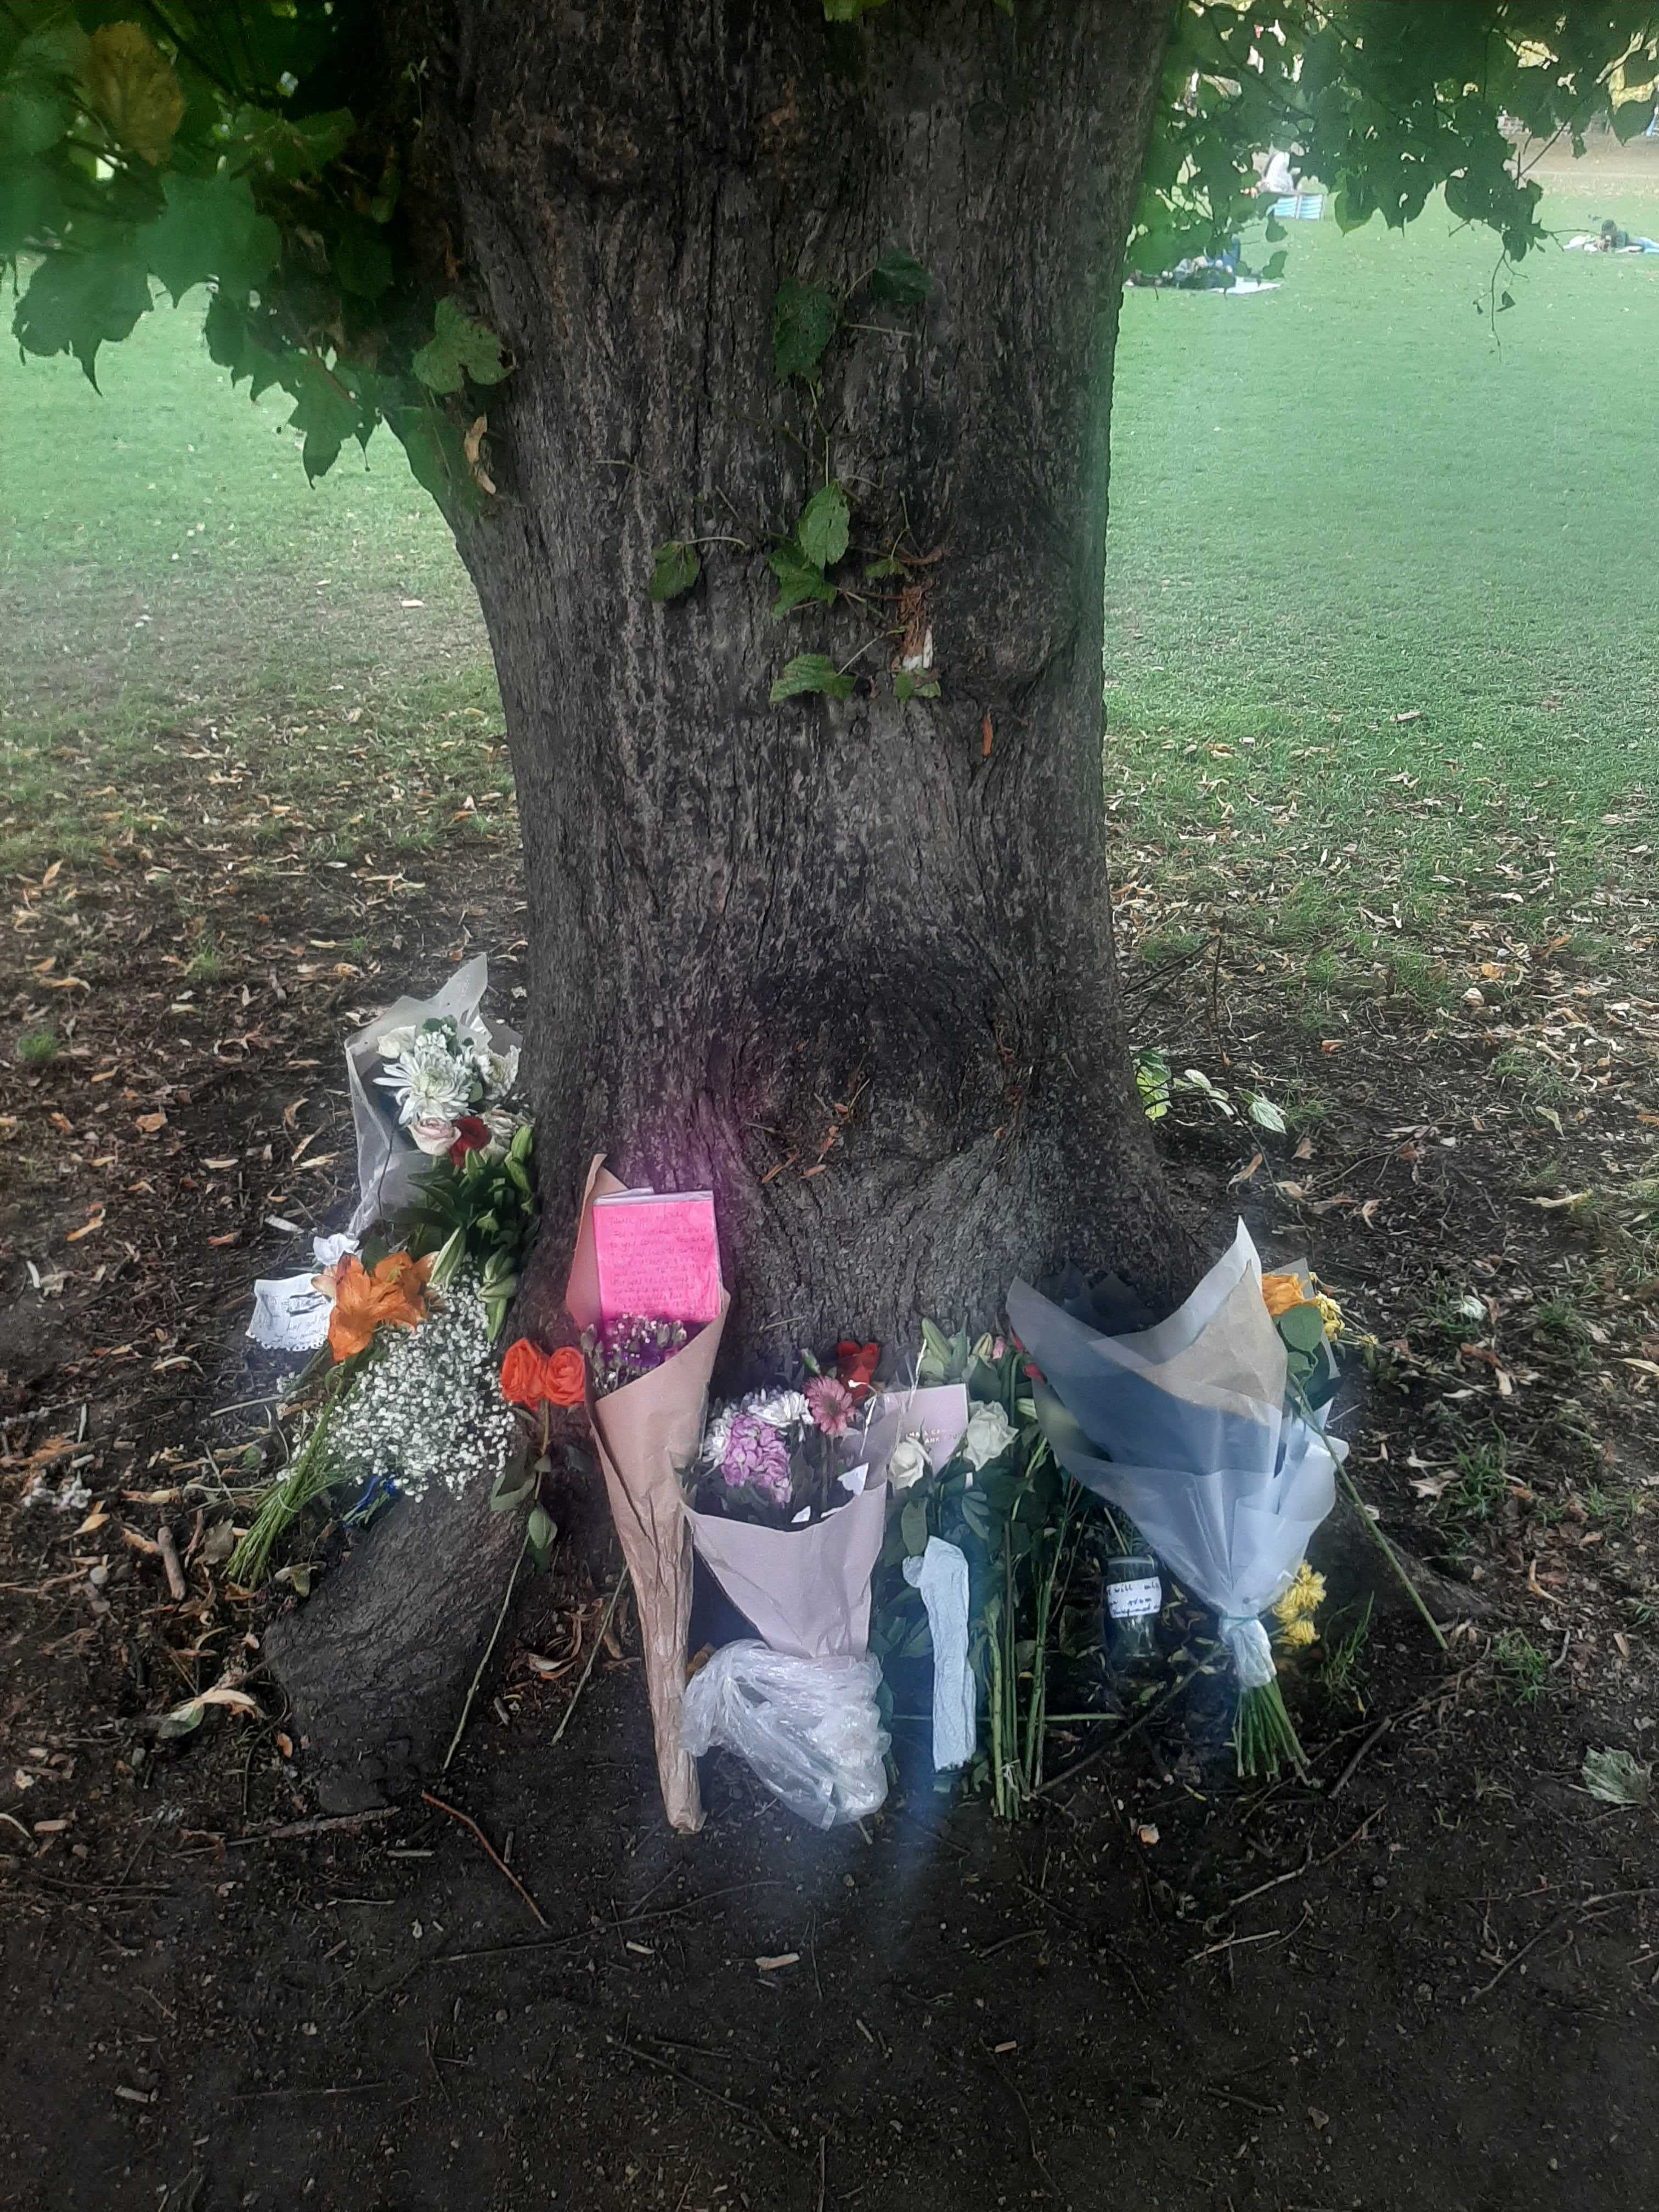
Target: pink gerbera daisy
[831, 1403]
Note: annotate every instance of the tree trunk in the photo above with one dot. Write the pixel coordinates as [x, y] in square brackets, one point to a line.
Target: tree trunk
[847, 962]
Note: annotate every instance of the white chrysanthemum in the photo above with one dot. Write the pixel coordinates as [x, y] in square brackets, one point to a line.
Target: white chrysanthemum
[427, 1081]
[779, 1409]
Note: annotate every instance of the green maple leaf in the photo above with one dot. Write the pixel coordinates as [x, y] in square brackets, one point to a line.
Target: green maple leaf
[211, 228]
[334, 404]
[77, 302]
[457, 348]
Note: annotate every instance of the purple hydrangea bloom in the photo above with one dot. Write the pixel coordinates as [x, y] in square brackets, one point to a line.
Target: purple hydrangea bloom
[756, 1455]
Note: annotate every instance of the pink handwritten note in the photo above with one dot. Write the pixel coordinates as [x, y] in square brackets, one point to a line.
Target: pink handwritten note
[657, 1254]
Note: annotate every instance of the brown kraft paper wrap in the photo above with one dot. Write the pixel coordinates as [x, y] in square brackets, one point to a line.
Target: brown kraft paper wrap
[646, 1432]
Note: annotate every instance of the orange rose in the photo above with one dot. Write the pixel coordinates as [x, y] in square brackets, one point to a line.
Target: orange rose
[1281, 1292]
[524, 1375]
[565, 1382]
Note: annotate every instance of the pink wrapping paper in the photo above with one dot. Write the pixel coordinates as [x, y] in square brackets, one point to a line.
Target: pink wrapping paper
[646, 1433]
[807, 1590]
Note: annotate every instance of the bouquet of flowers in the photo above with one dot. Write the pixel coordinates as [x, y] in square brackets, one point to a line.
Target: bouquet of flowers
[428, 1080]
[791, 1532]
[411, 1398]
[1185, 1426]
[634, 1345]
[446, 1080]
[647, 1422]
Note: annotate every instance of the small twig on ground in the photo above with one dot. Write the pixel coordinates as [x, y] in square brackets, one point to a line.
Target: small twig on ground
[691, 2082]
[1364, 1750]
[167, 1547]
[292, 1831]
[472, 1687]
[491, 1852]
[1262, 1887]
[1241, 1943]
[1562, 1920]
[1021, 1936]
[593, 1653]
[1236, 2097]
[1093, 1758]
[352, 2090]
[1009, 2082]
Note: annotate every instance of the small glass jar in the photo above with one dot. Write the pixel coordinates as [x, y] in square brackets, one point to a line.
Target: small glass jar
[1134, 1598]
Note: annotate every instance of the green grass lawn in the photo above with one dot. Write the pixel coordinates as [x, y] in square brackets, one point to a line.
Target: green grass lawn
[165, 565]
[1381, 616]
[1380, 627]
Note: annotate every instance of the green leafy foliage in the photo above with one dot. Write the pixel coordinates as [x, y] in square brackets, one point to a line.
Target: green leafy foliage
[189, 145]
[457, 348]
[803, 321]
[907, 687]
[900, 281]
[674, 570]
[482, 1211]
[811, 671]
[210, 229]
[76, 303]
[193, 143]
[1387, 106]
[798, 579]
[825, 527]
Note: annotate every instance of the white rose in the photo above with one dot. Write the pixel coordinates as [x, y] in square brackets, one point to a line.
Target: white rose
[432, 1136]
[907, 1463]
[987, 1436]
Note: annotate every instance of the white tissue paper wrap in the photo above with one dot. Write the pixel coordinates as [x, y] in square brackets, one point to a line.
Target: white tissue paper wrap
[1183, 1426]
[941, 1575]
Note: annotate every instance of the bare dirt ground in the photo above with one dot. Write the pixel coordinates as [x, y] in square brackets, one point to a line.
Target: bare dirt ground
[1427, 1978]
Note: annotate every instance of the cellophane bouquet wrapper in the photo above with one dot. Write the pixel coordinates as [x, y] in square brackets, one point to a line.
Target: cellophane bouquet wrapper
[1184, 1427]
[388, 1160]
[646, 1434]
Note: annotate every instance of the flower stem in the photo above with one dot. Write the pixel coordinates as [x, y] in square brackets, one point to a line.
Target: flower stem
[1371, 1528]
[473, 1687]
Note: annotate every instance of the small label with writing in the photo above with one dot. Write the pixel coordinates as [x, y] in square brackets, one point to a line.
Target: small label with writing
[1134, 1601]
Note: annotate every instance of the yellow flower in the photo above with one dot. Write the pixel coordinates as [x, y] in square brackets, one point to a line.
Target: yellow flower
[1305, 1595]
[1330, 1313]
[1298, 1634]
[1280, 1292]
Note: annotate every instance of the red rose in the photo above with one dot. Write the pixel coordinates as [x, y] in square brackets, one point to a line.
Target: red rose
[471, 1135]
[856, 1365]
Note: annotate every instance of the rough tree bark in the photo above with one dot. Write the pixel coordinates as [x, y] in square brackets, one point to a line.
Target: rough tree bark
[752, 926]
[850, 963]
